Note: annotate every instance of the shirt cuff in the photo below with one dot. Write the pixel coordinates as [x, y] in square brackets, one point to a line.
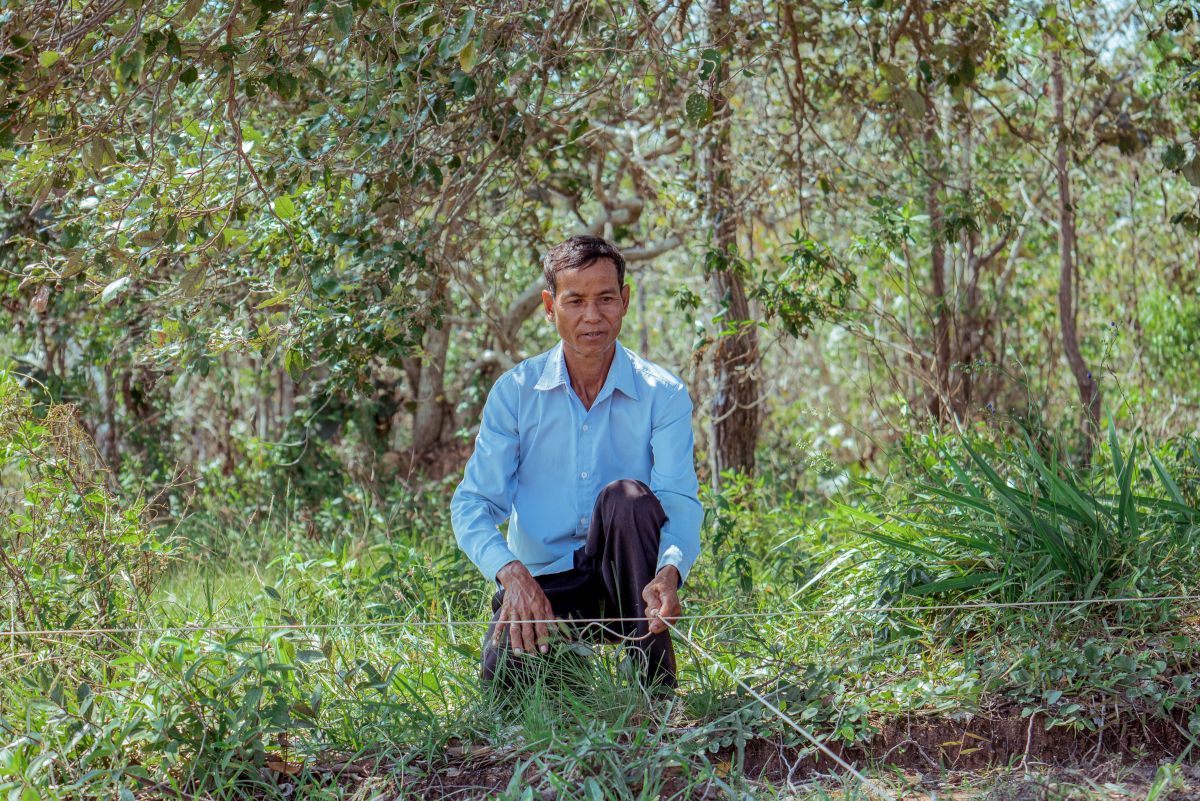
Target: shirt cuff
[671, 555]
[493, 557]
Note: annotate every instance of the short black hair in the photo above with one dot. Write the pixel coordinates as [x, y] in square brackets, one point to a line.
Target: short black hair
[578, 253]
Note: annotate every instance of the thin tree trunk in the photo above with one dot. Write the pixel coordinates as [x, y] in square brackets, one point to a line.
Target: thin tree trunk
[735, 410]
[431, 389]
[287, 395]
[1089, 390]
[941, 405]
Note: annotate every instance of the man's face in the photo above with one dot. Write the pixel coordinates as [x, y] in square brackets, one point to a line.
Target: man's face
[587, 308]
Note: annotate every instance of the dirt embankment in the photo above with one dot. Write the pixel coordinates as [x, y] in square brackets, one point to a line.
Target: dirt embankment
[923, 743]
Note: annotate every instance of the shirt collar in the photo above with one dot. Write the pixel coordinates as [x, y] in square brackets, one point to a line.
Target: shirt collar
[620, 373]
[554, 372]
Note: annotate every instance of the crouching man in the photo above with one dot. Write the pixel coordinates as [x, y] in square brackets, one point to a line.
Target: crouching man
[587, 451]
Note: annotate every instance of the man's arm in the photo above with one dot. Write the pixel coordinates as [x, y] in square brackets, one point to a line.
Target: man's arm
[673, 481]
[483, 499]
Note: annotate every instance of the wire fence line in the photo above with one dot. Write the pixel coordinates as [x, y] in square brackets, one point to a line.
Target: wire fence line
[600, 621]
[878, 791]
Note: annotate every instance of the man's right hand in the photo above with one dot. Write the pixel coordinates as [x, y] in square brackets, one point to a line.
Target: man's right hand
[523, 601]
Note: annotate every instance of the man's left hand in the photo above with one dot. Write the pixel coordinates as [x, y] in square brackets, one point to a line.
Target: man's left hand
[662, 598]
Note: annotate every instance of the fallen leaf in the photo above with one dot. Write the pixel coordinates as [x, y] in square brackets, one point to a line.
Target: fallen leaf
[286, 768]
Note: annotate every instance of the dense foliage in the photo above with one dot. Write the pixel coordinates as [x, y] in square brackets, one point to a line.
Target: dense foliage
[245, 231]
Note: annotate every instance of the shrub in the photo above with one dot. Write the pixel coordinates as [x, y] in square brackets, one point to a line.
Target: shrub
[72, 551]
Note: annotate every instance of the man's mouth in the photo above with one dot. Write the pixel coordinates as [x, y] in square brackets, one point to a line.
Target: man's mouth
[593, 335]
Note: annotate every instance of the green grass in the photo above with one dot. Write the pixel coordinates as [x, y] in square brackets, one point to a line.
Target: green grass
[399, 697]
[218, 714]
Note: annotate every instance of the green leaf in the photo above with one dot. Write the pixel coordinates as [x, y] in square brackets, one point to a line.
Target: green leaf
[193, 281]
[1167, 481]
[912, 102]
[578, 129]
[189, 75]
[1174, 156]
[698, 109]
[48, 58]
[710, 60]
[966, 582]
[284, 207]
[130, 68]
[113, 289]
[895, 75]
[276, 299]
[1191, 171]
[294, 363]
[252, 698]
[467, 57]
[343, 18]
[452, 46]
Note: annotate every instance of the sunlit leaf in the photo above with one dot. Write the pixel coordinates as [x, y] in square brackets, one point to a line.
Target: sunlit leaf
[284, 207]
[113, 289]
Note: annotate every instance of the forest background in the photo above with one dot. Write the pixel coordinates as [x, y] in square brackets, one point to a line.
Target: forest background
[268, 233]
[261, 260]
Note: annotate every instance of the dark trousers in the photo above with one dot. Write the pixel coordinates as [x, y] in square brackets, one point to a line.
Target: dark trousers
[610, 571]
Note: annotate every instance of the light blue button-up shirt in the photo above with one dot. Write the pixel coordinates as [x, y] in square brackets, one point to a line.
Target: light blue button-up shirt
[541, 459]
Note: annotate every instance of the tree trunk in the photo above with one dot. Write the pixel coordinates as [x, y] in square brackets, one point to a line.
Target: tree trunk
[1089, 390]
[942, 403]
[735, 411]
[431, 389]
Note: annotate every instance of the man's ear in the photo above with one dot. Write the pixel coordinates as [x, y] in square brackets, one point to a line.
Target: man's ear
[548, 304]
[625, 296]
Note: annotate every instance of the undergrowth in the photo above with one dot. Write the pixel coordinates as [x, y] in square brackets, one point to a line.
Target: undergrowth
[291, 674]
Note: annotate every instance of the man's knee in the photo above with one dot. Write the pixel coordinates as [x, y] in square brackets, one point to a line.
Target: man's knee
[628, 492]
[630, 497]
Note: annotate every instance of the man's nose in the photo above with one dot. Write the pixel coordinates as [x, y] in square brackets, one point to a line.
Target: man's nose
[591, 312]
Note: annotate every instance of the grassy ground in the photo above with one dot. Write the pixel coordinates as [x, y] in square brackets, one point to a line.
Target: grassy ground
[1072, 700]
[397, 709]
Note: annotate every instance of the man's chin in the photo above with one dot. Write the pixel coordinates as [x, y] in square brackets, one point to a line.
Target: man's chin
[593, 346]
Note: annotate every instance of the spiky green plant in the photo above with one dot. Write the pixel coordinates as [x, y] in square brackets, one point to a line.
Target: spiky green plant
[1010, 524]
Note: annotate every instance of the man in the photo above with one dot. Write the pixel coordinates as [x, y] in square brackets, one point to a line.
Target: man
[586, 450]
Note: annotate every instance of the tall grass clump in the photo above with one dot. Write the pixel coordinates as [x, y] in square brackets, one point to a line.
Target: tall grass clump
[1004, 522]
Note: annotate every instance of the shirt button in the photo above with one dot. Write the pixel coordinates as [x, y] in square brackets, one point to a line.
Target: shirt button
[583, 474]
[585, 426]
[583, 521]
